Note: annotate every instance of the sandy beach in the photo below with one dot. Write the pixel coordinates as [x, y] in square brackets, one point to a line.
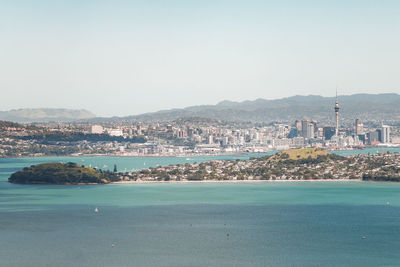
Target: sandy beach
[237, 181]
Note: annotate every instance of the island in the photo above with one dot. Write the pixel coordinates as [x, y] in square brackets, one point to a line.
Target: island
[62, 173]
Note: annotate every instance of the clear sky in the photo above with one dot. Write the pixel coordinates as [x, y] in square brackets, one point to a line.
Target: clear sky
[130, 57]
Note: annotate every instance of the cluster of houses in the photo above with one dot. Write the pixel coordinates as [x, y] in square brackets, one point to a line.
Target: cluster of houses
[344, 168]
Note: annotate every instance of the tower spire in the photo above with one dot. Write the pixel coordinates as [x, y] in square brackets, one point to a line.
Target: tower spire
[336, 95]
[337, 114]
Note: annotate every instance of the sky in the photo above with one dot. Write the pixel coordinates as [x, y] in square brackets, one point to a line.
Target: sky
[119, 58]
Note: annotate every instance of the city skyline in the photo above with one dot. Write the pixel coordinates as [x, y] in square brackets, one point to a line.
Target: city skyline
[136, 57]
[196, 136]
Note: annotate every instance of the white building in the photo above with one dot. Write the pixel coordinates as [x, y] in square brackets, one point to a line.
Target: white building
[115, 132]
[385, 134]
[96, 129]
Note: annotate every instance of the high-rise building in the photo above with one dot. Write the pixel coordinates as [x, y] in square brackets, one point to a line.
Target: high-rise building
[359, 127]
[297, 124]
[307, 128]
[337, 115]
[315, 127]
[362, 138]
[379, 132]
[328, 132]
[304, 126]
[373, 138]
[293, 133]
[311, 130]
[385, 134]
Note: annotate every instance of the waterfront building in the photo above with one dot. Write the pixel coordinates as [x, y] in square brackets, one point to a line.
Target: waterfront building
[395, 140]
[362, 138]
[385, 134]
[373, 137]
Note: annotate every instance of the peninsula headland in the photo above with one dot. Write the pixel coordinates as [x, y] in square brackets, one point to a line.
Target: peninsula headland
[289, 165]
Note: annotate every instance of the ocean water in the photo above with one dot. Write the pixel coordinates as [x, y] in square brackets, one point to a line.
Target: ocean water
[196, 224]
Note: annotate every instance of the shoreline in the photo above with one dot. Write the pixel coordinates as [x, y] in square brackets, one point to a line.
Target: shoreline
[237, 181]
[140, 156]
[190, 155]
[204, 181]
[214, 181]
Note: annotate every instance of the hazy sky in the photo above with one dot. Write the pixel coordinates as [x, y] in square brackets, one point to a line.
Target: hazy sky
[130, 57]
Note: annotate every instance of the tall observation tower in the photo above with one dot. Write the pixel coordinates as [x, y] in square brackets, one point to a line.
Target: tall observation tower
[337, 115]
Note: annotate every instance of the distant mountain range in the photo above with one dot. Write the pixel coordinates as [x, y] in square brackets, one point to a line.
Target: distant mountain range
[368, 107]
[45, 115]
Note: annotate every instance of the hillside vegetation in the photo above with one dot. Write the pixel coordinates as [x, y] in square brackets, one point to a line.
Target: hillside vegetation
[61, 173]
[367, 107]
[299, 154]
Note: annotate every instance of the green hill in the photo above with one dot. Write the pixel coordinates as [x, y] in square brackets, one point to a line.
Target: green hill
[303, 154]
[62, 173]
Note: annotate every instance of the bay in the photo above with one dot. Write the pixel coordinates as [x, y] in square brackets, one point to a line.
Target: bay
[196, 224]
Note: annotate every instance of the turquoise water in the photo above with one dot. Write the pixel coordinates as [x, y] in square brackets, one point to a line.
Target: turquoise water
[196, 224]
[370, 150]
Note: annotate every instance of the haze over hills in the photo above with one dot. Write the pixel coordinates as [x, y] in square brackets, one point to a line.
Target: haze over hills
[45, 115]
[368, 107]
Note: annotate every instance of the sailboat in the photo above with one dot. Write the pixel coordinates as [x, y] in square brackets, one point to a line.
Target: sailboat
[96, 210]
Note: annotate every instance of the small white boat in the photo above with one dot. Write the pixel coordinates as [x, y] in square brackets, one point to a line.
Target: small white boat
[96, 210]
